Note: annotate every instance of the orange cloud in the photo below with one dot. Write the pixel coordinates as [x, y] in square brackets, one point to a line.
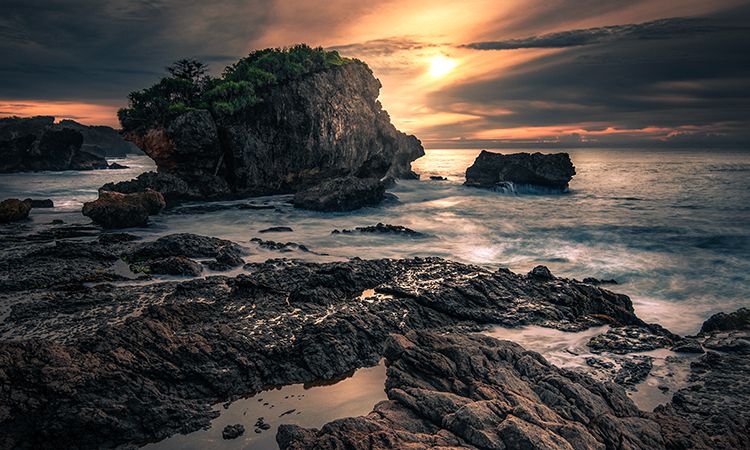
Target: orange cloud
[86, 113]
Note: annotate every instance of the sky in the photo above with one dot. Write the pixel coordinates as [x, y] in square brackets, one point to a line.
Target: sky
[514, 73]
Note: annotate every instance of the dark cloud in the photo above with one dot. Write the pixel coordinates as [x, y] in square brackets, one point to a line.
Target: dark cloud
[695, 80]
[658, 29]
[92, 50]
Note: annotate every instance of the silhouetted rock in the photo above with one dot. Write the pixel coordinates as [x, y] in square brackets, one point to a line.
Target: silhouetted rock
[38, 203]
[596, 281]
[541, 273]
[438, 178]
[341, 194]
[13, 210]
[276, 230]
[101, 140]
[381, 228]
[495, 170]
[34, 144]
[293, 139]
[233, 431]
[174, 189]
[116, 210]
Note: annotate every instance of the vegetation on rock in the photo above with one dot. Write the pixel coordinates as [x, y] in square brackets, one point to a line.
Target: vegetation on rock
[189, 86]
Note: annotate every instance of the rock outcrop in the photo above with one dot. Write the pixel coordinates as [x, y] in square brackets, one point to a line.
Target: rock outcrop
[116, 210]
[325, 125]
[341, 194]
[515, 171]
[34, 144]
[468, 392]
[13, 210]
[101, 140]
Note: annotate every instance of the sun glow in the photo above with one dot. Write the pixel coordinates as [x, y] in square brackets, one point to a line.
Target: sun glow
[441, 66]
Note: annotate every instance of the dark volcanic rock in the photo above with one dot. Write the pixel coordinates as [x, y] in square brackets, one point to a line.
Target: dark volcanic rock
[37, 203]
[116, 166]
[228, 257]
[279, 246]
[325, 125]
[688, 346]
[341, 194]
[106, 366]
[453, 391]
[738, 320]
[172, 265]
[629, 339]
[597, 281]
[438, 178]
[233, 431]
[383, 229]
[33, 144]
[13, 210]
[717, 401]
[184, 244]
[172, 188]
[116, 210]
[491, 170]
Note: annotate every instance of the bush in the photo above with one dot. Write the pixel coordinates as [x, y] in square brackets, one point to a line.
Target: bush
[239, 88]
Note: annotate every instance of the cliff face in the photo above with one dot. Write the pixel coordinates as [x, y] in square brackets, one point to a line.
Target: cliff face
[38, 144]
[326, 125]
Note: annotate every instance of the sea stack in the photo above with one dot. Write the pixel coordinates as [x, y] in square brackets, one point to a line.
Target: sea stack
[508, 172]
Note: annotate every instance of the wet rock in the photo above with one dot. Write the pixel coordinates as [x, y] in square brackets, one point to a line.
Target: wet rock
[276, 230]
[172, 265]
[116, 210]
[688, 346]
[629, 339]
[13, 210]
[228, 257]
[341, 194]
[597, 282]
[233, 431]
[171, 187]
[737, 320]
[183, 244]
[39, 203]
[552, 171]
[116, 238]
[117, 166]
[437, 397]
[716, 404]
[634, 371]
[541, 273]
[178, 347]
[280, 246]
[383, 229]
[36, 143]
[261, 425]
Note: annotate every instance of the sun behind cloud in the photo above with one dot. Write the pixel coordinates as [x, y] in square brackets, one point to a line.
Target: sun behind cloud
[441, 66]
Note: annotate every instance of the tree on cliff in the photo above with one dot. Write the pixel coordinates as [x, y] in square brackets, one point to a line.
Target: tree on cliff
[240, 86]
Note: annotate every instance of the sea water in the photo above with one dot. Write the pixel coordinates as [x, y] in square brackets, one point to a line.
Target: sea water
[672, 227]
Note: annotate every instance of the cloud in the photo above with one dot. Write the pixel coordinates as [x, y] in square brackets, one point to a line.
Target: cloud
[383, 47]
[94, 50]
[679, 87]
[658, 29]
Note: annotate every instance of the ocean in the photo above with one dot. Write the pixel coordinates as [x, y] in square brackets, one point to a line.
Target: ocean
[672, 227]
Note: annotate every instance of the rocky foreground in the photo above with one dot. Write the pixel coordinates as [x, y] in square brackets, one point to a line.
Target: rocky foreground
[96, 351]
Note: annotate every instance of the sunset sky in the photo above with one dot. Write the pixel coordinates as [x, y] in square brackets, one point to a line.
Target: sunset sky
[464, 73]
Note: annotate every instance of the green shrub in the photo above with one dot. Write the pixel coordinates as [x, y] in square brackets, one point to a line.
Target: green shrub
[239, 88]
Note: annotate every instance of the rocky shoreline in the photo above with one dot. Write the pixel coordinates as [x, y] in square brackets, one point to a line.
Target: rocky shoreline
[98, 351]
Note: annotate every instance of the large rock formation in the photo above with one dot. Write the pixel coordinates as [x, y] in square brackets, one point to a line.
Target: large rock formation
[509, 172]
[341, 194]
[325, 125]
[36, 143]
[101, 140]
